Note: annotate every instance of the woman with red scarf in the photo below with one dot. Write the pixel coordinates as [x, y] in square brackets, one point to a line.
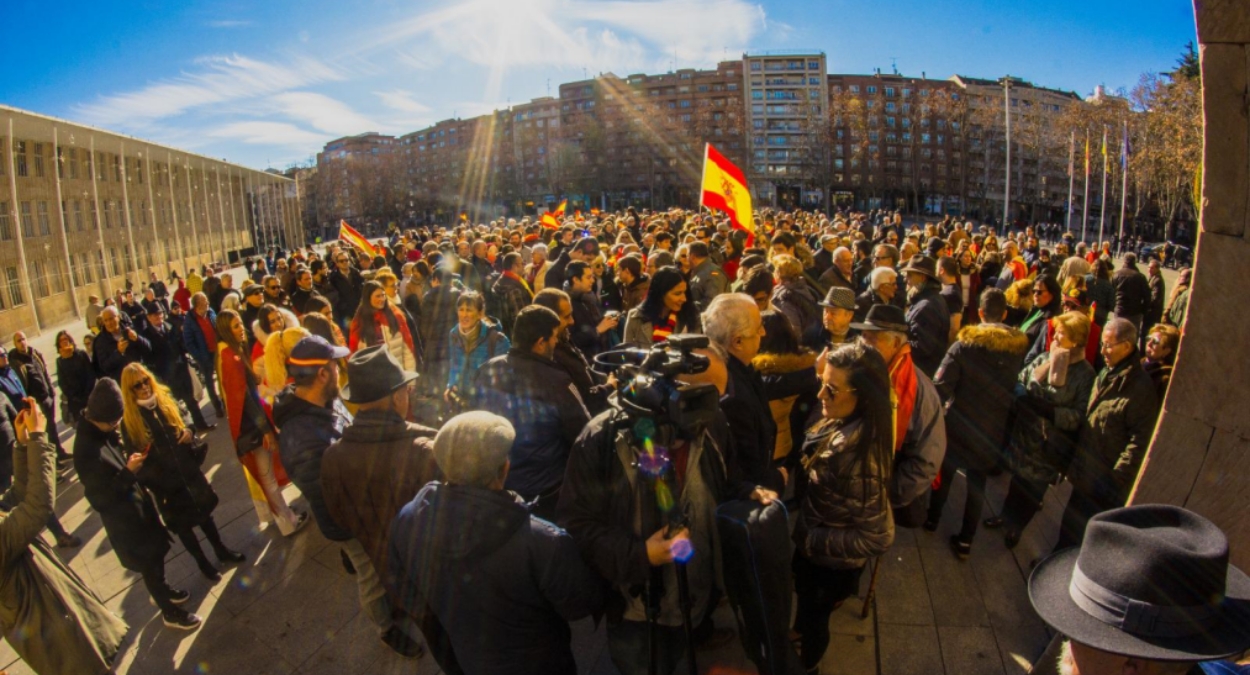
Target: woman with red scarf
[378, 322]
[252, 428]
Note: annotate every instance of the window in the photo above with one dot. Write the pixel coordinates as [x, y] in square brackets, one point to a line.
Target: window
[15, 287]
[108, 215]
[6, 229]
[889, 91]
[28, 221]
[45, 228]
[117, 168]
[854, 88]
[38, 151]
[19, 149]
[872, 89]
[99, 166]
[73, 163]
[813, 65]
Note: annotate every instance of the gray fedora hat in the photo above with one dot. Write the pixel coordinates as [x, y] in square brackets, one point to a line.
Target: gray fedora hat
[373, 374]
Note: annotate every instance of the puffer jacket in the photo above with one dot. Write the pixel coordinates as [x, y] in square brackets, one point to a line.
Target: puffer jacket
[976, 380]
[798, 302]
[305, 432]
[1040, 449]
[1118, 425]
[845, 519]
[463, 364]
[791, 385]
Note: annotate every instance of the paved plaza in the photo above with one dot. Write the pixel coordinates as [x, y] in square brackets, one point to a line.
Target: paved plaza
[291, 608]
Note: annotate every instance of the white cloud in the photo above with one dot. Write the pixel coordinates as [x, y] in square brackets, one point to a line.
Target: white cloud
[269, 133]
[229, 23]
[223, 79]
[402, 101]
[322, 113]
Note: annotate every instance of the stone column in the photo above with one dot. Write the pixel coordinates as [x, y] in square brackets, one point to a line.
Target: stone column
[1200, 455]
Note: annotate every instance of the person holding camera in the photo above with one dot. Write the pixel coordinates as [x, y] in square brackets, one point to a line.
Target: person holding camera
[50, 617]
[455, 550]
[592, 330]
[117, 346]
[127, 508]
[152, 425]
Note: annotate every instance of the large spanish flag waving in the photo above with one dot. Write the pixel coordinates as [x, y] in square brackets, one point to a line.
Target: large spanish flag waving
[725, 189]
[349, 234]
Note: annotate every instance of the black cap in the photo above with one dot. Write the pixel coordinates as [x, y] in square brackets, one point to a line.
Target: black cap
[883, 318]
[314, 351]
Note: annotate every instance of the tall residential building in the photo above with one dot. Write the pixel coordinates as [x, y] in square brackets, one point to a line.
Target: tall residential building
[787, 102]
[83, 211]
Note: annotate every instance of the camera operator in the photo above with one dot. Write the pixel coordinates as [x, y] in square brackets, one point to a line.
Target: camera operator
[457, 547]
[616, 531]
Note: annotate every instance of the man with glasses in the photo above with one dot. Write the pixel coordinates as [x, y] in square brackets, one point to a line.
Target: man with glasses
[274, 294]
[1122, 413]
[346, 282]
[167, 361]
[116, 346]
[305, 290]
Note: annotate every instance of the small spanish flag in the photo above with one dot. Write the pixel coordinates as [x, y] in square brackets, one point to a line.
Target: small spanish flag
[349, 234]
[725, 189]
[549, 221]
[577, 215]
[464, 216]
[559, 212]
[594, 212]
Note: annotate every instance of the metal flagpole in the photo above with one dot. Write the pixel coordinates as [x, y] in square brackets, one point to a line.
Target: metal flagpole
[1123, 180]
[1085, 204]
[1071, 178]
[1102, 197]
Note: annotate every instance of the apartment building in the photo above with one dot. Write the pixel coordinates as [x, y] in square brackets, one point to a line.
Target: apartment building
[787, 106]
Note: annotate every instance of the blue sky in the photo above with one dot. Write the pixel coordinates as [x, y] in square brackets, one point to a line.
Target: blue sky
[268, 83]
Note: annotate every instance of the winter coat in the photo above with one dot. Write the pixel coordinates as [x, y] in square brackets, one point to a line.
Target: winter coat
[1040, 448]
[602, 505]
[50, 617]
[510, 296]
[166, 360]
[833, 278]
[539, 399]
[798, 302]
[127, 509]
[1102, 295]
[638, 328]
[110, 361]
[586, 317]
[199, 347]
[633, 294]
[1160, 373]
[172, 475]
[1132, 293]
[398, 340]
[379, 464]
[459, 549]
[791, 386]
[33, 371]
[845, 519]
[590, 385]
[438, 318]
[348, 288]
[1180, 305]
[745, 405]
[1118, 425]
[1157, 299]
[76, 377]
[976, 380]
[706, 282]
[305, 432]
[919, 459]
[464, 364]
[929, 328]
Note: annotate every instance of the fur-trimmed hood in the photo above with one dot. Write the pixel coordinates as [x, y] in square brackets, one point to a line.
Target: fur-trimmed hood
[780, 364]
[995, 337]
[288, 319]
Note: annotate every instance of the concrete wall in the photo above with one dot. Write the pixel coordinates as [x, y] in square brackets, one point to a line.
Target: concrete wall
[1200, 455]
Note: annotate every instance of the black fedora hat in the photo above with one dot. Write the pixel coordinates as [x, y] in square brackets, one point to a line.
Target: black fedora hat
[1151, 582]
[922, 264]
[373, 374]
[883, 317]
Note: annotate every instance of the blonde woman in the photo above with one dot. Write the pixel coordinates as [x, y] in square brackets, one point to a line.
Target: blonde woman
[153, 425]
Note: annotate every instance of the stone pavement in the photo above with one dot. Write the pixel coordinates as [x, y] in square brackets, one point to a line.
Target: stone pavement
[291, 608]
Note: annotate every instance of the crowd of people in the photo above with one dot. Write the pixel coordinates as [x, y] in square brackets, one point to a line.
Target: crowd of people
[438, 404]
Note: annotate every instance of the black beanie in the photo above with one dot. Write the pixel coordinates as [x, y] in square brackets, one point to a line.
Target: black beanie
[105, 403]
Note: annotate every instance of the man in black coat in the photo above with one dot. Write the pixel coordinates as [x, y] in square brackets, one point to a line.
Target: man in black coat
[593, 387]
[33, 369]
[590, 326]
[126, 508]
[1132, 292]
[347, 283]
[304, 291]
[510, 293]
[928, 319]
[116, 346]
[733, 324]
[976, 381]
[583, 250]
[537, 396]
[458, 543]
[167, 359]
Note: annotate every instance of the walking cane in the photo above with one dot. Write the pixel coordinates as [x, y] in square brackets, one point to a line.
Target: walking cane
[872, 588]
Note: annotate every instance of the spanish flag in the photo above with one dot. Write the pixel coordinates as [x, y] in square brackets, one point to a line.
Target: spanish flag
[464, 216]
[549, 221]
[725, 189]
[559, 212]
[594, 212]
[349, 234]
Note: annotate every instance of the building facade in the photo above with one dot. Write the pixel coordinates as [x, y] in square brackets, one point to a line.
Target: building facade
[787, 113]
[84, 211]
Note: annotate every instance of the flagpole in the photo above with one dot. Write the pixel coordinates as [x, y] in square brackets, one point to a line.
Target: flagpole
[1123, 181]
[1102, 197]
[1071, 178]
[1085, 203]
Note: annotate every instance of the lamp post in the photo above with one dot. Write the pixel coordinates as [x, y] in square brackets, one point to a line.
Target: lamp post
[1007, 185]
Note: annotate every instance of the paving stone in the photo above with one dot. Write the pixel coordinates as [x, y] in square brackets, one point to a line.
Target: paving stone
[1003, 588]
[850, 655]
[902, 592]
[969, 651]
[953, 589]
[1021, 646]
[356, 650]
[909, 650]
[846, 620]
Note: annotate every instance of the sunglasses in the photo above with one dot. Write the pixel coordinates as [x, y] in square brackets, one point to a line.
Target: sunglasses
[141, 384]
[271, 288]
[832, 391]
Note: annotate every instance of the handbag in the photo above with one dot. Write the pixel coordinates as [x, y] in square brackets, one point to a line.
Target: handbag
[199, 450]
[249, 441]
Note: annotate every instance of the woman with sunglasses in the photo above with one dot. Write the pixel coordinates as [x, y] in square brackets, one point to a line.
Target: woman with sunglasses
[844, 519]
[153, 425]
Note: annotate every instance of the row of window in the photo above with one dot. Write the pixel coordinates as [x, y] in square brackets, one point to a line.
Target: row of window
[29, 161]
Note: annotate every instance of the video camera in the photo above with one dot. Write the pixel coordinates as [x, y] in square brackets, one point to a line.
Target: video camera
[649, 386]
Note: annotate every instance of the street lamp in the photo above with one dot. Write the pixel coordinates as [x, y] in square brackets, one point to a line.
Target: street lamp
[1007, 186]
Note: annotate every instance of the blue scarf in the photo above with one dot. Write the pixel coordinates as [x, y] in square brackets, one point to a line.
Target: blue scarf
[10, 383]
